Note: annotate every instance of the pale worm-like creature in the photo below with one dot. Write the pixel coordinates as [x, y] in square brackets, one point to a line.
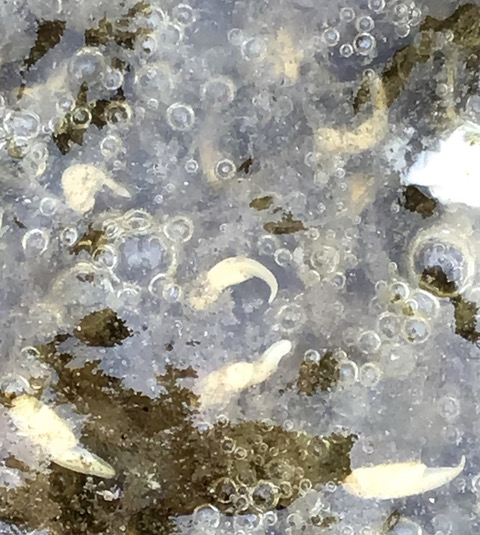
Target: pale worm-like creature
[81, 182]
[220, 386]
[399, 480]
[229, 272]
[366, 135]
[44, 428]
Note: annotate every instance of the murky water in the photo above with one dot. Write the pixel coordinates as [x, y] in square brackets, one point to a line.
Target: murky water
[239, 267]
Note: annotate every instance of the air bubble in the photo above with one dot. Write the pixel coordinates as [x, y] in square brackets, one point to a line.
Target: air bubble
[364, 24]
[389, 324]
[180, 117]
[416, 330]
[179, 229]
[118, 113]
[48, 206]
[253, 49]
[331, 36]
[402, 30]
[184, 14]
[325, 260]
[376, 5]
[236, 36]
[346, 50]
[191, 166]
[449, 408]
[148, 45]
[109, 257]
[23, 124]
[110, 146]
[348, 372]
[267, 245]
[172, 293]
[218, 91]
[154, 81]
[399, 13]
[406, 526]
[207, 516]
[364, 44]
[35, 241]
[69, 236]
[112, 79]
[283, 257]
[291, 317]
[369, 375]
[347, 14]
[225, 169]
[81, 118]
[369, 342]
[87, 65]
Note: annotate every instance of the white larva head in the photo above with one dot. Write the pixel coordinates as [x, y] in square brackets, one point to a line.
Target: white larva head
[268, 363]
[398, 480]
[79, 459]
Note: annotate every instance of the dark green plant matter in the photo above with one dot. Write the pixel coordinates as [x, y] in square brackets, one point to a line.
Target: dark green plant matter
[287, 225]
[261, 203]
[165, 465]
[466, 319]
[436, 281]
[102, 328]
[92, 242]
[49, 34]
[118, 31]
[416, 201]
[318, 375]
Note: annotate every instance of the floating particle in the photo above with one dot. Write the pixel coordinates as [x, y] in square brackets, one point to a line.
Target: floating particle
[102, 328]
[220, 386]
[287, 225]
[229, 272]
[398, 480]
[91, 241]
[44, 428]
[261, 203]
[466, 319]
[418, 202]
[49, 34]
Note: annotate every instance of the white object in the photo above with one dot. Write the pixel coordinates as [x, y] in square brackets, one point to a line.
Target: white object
[451, 173]
[398, 480]
[229, 272]
[44, 428]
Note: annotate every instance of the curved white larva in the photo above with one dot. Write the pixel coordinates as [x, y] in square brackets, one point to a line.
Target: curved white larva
[229, 272]
[399, 480]
[220, 386]
[44, 428]
[81, 182]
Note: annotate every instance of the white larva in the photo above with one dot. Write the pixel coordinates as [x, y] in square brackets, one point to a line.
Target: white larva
[81, 182]
[229, 272]
[44, 428]
[399, 480]
[220, 386]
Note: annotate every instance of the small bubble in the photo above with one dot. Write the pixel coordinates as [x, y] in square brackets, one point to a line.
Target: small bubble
[180, 117]
[347, 14]
[267, 245]
[376, 5]
[369, 342]
[449, 408]
[112, 79]
[406, 526]
[81, 118]
[23, 124]
[369, 375]
[325, 260]
[179, 229]
[402, 30]
[48, 206]
[416, 330]
[364, 44]
[109, 257]
[331, 36]
[172, 293]
[253, 49]
[283, 257]
[389, 324]
[415, 16]
[312, 355]
[236, 36]
[191, 166]
[399, 291]
[184, 14]
[87, 65]
[348, 372]
[118, 113]
[35, 241]
[225, 169]
[69, 236]
[399, 13]
[207, 516]
[291, 317]
[364, 24]
[346, 50]
[218, 91]
[110, 146]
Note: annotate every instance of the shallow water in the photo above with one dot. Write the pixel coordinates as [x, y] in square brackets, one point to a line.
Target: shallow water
[142, 144]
